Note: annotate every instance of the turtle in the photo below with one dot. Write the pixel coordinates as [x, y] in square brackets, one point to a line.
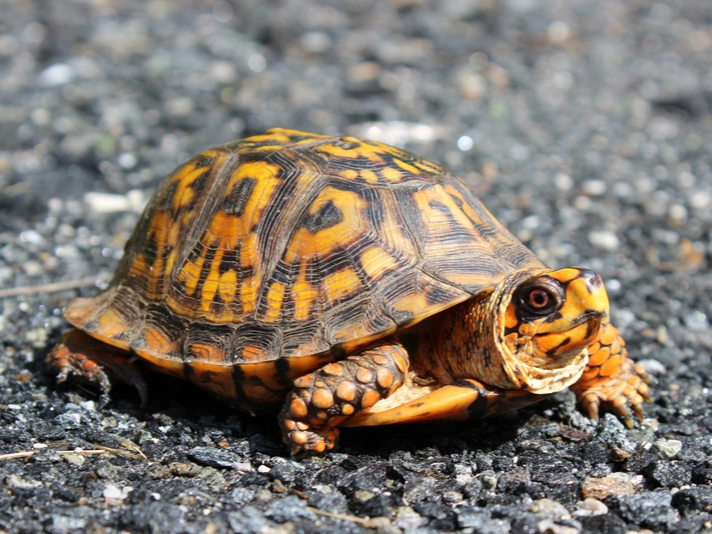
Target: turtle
[343, 282]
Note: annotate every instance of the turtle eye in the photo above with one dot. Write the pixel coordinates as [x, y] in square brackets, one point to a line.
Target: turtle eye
[538, 299]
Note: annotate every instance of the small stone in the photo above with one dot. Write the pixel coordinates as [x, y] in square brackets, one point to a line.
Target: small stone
[115, 496]
[291, 508]
[315, 42]
[613, 484]
[668, 448]
[363, 495]
[74, 459]
[57, 74]
[604, 239]
[653, 367]
[692, 499]
[213, 457]
[408, 519]
[550, 509]
[594, 506]
[547, 526]
[69, 421]
[107, 202]
[669, 474]
[594, 187]
[452, 497]
[13, 481]
[142, 436]
[649, 509]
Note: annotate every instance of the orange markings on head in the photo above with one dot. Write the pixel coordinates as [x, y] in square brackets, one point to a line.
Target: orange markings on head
[573, 338]
[510, 317]
[565, 275]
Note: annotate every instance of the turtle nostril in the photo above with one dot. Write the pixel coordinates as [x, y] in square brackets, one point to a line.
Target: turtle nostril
[591, 277]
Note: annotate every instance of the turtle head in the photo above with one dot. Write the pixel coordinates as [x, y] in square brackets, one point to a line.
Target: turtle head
[546, 323]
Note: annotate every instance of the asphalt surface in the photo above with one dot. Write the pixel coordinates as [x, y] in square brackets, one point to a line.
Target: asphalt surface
[585, 126]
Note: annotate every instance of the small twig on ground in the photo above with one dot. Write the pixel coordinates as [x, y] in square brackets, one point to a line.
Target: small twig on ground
[368, 522]
[50, 288]
[81, 452]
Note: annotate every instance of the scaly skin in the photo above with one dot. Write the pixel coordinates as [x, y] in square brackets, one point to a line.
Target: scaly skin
[611, 380]
[81, 357]
[325, 398]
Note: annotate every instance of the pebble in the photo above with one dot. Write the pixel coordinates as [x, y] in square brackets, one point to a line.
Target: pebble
[108, 203]
[651, 510]
[652, 367]
[669, 448]
[613, 484]
[115, 496]
[69, 420]
[550, 509]
[57, 74]
[290, 508]
[74, 459]
[594, 187]
[14, 481]
[604, 239]
[213, 457]
[593, 506]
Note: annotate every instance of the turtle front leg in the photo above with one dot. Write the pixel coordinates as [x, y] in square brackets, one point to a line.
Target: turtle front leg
[611, 380]
[321, 400]
[78, 356]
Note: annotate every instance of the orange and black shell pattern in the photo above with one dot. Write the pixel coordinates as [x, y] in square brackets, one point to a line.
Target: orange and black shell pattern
[261, 260]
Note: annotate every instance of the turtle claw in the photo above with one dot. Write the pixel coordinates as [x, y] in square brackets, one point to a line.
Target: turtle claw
[623, 396]
[80, 357]
[592, 403]
[640, 410]
[309, 440]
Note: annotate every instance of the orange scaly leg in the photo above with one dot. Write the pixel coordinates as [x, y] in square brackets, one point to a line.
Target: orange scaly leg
[80, 357]
[611, 380]
[329, 396]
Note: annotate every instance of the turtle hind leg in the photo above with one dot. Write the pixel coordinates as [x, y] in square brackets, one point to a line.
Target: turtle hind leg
[78, 356]
[321, 400]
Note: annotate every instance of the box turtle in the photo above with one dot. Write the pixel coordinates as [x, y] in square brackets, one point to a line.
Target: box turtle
[344, 282]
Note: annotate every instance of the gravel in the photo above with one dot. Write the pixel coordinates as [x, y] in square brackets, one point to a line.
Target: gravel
[585, 126]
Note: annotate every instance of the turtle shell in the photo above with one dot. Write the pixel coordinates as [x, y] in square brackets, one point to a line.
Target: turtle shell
[260, 260]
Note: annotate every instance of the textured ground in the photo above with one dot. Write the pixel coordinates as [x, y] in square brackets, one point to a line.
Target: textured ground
[586, 127]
